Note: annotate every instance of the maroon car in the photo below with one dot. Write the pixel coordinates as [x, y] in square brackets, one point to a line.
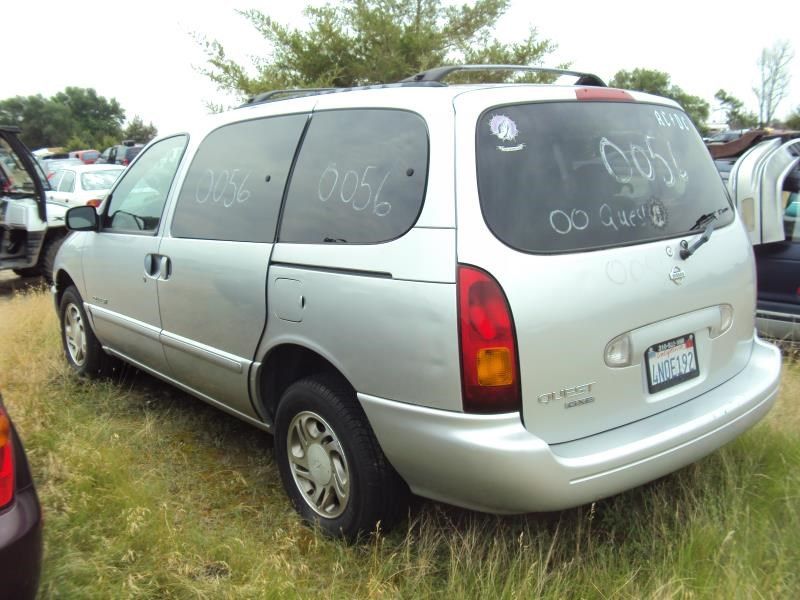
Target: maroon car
[20, 518]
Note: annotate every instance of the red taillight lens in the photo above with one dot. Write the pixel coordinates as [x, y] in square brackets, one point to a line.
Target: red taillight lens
[489, 372]
[6, 461]
[94, 202]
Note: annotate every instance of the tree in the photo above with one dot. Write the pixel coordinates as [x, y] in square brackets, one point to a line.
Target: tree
[793, 120]
[43, 122]
[360, 42]
[139, 132]
[659, 84]
[773, 66]
[737, 117]
[76, 116]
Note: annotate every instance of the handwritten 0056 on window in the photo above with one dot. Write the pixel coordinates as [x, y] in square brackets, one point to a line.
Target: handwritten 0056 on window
[355, 189]
[228, 187]
[622, 166]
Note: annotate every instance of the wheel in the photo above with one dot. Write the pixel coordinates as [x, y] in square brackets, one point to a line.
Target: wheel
[48, 257]
[83, 352]
[331, 465]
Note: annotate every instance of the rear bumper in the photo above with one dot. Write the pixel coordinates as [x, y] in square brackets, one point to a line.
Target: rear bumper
[493, 464]
[21, 546]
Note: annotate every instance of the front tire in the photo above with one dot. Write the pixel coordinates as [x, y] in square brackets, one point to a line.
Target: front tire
[331, 464]
[81, 348]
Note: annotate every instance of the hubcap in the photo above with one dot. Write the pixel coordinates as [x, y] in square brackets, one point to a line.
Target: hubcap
[75, 335]
[318, 464]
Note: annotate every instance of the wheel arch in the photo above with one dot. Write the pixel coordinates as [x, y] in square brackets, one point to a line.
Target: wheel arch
[282, 366]
[62, 281]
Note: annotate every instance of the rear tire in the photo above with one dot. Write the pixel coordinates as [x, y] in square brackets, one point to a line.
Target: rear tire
[82, 350]
[331, 464]
[47, 259]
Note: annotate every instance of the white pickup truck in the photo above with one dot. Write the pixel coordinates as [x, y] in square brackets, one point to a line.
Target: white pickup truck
[31, 225]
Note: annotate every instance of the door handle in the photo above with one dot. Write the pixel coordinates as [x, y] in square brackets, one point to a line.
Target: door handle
[151, 265]
[157, 266]
[166, 268]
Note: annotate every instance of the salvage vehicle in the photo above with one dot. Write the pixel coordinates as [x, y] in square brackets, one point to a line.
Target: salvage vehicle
[762, 172]
[31, 225]
[509, 297]
[20, 517]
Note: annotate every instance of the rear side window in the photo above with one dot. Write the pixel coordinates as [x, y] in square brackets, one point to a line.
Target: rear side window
[572, 176]
[233, 188]
[360, 178]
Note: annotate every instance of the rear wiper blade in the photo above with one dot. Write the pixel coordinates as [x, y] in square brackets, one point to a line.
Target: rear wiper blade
[687, 250]
[703, 220]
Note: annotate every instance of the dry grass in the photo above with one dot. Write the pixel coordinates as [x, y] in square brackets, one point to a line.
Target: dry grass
[149, 493]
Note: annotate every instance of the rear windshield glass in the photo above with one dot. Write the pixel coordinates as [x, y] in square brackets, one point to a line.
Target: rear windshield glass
[99, 180]
[572, 176]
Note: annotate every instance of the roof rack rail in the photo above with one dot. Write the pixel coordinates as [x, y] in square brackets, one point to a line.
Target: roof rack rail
[439, 73]
[275, 95]
[284, 94]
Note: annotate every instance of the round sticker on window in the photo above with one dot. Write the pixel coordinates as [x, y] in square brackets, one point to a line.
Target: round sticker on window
[505, 130]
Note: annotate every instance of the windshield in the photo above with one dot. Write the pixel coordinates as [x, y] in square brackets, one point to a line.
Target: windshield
[14, 178]
[575, 176]
[100, 180]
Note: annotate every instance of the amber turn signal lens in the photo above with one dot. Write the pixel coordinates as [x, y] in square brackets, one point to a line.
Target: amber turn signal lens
[495, 367]
[5, 429]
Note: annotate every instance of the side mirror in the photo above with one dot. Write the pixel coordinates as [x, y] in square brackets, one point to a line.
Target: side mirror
[82, 218]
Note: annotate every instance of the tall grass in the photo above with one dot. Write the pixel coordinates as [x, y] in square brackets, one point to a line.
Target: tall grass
[149, 493]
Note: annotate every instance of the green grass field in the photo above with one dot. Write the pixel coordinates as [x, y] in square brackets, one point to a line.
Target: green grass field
[149, 493]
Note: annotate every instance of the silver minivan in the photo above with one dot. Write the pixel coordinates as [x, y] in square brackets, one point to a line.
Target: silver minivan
[507, 297]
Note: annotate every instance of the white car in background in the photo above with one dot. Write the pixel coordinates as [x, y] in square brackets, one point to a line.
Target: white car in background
[83, 184]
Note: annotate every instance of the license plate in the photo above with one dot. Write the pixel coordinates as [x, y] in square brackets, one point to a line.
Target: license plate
[672, 362]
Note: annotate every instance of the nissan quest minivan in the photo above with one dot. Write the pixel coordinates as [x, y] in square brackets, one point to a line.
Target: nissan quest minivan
[507, 297]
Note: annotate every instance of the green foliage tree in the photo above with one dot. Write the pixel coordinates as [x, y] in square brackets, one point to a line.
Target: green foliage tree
[360, 42]
[139, 132]
[737, 117]
[76, 118]
[793, 120]
[660, 84]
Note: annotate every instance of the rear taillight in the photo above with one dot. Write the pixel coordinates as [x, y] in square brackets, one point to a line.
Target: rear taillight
[125, 162]
[489, 371]
[94, 202]
[6, 461]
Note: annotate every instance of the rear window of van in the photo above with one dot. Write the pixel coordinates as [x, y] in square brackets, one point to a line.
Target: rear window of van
[577, 176]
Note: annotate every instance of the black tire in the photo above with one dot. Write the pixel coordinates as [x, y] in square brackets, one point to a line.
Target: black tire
[81, 348]
[375, 493]
[47, 259]
[28, 272]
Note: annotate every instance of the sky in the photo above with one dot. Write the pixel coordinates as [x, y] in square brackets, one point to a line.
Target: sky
[145, 54]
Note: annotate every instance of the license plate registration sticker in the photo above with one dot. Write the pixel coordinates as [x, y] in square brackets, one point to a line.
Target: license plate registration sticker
[672, 362]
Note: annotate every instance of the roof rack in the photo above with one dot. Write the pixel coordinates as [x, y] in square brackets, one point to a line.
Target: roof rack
[440, 73]
[275, 95]
[284, 94]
